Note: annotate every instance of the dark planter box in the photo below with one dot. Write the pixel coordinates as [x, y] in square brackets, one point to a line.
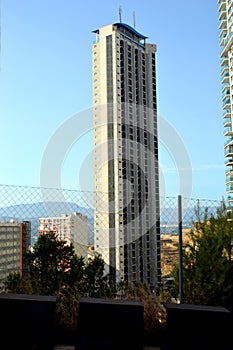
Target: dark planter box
[198, 327]
[155, 338]
[64, 335]
[26, 322]
[107, 324]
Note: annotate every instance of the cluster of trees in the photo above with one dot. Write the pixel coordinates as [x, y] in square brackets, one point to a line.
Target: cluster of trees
[207, 269]
[53, 268]
[53, 265]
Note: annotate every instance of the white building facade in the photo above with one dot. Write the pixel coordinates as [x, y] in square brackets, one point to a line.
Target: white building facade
[73, 228]
[126, 174]
[226, 42]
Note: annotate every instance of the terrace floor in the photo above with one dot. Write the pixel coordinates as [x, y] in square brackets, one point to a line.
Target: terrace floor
[67, 347]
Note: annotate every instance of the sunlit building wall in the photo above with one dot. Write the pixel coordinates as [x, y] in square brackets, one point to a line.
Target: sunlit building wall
[73, 228]
[225, 10]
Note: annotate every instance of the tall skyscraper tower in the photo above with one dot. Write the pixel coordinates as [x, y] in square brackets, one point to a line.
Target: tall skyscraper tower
[126, 173]
[226, 41]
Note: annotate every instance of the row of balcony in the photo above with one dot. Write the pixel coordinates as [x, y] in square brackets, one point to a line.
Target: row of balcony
[229, 162]
[229, 142]
[224, 69]
[226, 113]
[225, 78]
[228, 44]
[228, 131]
[223, 36]
[229, 181]
[225, 86]
[222, 11]
[228, 151]
[225, 94]
[223, 30]
[221, 2]
[223, 23]
[227, 122]
[226, 104]
[224, 61]
[229, 178]
[229, 174]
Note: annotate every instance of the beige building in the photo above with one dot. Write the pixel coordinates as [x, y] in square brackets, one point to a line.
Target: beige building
[126, 181]
[226, 42]
[70, 227]
[15, 239]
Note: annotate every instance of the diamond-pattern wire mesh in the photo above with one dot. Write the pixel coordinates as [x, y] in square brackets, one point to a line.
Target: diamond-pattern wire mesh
[24, 203]
[193, 210]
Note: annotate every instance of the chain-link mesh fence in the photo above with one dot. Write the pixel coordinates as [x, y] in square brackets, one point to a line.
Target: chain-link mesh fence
[71, 214]
[192, 210]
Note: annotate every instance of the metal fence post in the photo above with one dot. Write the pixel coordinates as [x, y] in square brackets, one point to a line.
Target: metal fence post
[180, 248]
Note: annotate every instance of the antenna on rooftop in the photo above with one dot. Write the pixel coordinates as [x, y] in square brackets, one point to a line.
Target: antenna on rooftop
[120, 14]
[134, 20]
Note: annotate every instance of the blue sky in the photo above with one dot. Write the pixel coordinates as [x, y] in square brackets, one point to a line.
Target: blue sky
[45, 79]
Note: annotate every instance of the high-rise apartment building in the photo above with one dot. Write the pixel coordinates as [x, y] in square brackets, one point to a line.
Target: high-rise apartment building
[126, 174]
[226, 42]
[15, 239]
[73, 228]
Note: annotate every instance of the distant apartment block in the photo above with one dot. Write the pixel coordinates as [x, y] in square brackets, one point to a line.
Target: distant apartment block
[15, 239]
[225, 10]
[126, 173]
[73, 228]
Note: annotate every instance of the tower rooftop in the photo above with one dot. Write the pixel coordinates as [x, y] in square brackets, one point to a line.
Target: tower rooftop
[127, 27]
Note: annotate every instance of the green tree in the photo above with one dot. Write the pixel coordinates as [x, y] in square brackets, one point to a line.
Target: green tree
[53, 268]
[207, 262]
[96, 284]
[49, 264]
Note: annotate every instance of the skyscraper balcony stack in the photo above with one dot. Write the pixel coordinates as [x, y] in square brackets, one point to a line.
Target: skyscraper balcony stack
[225, 10]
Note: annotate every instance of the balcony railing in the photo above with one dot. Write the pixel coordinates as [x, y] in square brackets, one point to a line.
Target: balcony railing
[226, 102]
[227, 122]
[224, 68]
[222, 38]
[222, 10]
[225, 94]
[222, 23]
[229, 179]
[225, 86]
[221, 3]
[229, 161]
[224, 61]
[229, 188]
[229, 140]
[228, 151]
[228, 43]
[225, 78]
[228, 130]
[226, 113]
